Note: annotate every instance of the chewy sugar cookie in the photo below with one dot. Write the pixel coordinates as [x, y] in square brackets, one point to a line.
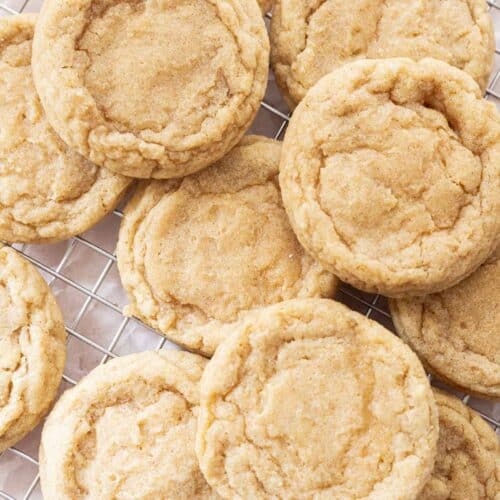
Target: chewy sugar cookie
[308, 399]
[456, 333]
[468, 458]
[151, 89]
[47, 192]
[197, 253]
[390, 174]
[32, 347]
[127, 430]
[310, 39]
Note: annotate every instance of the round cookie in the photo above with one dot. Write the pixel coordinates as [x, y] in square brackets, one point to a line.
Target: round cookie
[127, 430]
[468, 458]
[456, 333]
[33, 347]
[151, 89]
[311, 39]
[197, 253]
[47, 192]
[308, 399]
[390, 175]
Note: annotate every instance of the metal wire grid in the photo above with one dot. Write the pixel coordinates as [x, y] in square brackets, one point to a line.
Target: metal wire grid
[272, 121]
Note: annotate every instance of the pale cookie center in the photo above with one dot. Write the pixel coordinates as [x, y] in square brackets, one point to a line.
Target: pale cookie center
[223, 253]
[317, 424]
[392, 178]
[337, 32]
[468, 315]
[340, 31]
[160, 65]
[140, 450]
[34, 162]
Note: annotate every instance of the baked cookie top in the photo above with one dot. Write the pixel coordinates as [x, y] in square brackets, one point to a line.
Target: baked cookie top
[33, 347]
[456, 332]
[308, 399]
[390, 174]
[310, 39]
[199, 252]
[127, 430]
[468, 458]
[47, 192]
[151, 88]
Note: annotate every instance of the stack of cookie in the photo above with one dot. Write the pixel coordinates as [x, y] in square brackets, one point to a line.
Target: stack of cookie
[388, 178]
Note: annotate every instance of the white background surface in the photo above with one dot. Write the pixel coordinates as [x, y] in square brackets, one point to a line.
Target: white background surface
[83, 275]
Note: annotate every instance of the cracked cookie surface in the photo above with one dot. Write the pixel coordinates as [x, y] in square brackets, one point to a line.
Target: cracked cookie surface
[47, 192]
[468, 458]
[151, 89]
[127, 430]
[312, 38]
[390, 174]
[197, 253]
[456, 332]
[308, 399]
[265, 5]
[32, 347]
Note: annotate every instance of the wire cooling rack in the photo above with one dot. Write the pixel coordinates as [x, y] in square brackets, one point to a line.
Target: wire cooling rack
[83, 275]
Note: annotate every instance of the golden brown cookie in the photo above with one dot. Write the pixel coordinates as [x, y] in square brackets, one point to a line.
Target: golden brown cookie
[468, 459]
[47, 192]
[456, 332]
[390, 174]
[265, 5]
[199, 252]
[32, 347]
[151, 88]
[127, 430]
[311, 38]
[308, 399]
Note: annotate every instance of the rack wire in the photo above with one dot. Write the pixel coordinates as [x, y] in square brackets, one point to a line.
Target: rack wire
[97, 331]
